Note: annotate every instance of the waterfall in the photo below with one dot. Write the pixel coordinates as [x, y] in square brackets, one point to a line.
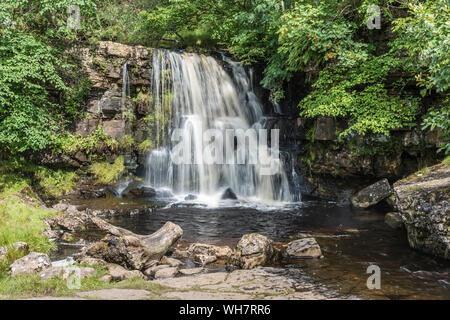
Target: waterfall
[191, 94]
[125, 85]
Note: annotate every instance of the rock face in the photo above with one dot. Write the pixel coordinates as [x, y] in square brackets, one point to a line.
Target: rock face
[32, 263]
[304, 248]
[132, 251]
[253, 250]
[393, 220]
[423, 200]
[325, 129]
[372, 194]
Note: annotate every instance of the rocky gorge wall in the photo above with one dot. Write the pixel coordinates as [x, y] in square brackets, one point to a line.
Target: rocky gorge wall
[330, 168]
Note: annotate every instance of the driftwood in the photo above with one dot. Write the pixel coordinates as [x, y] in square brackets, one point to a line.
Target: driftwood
[155, 244]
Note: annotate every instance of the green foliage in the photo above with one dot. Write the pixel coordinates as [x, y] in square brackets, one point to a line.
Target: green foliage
[360, 95]
[97, 141]
[440, 118]
[107, 173]
[146, 145]
[425, 35]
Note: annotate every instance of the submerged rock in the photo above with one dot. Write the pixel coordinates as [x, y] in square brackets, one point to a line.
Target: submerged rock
[137, 190]
[304, 248]
[394, 220]
[228, 194]
[372, 194]
[32, 263]
[423, 200]
[253, 250]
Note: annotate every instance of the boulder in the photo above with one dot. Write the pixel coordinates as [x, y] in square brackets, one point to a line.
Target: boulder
[253, 250]
[171, 261]
[304, 248]
[85, 127]
[132, 251]
[423, 201]
[139, 192]
[372, 194]
[223, 252]
[204, 259]
[151, 271]
[166, 273]
[190, 197]
[32, 263]
[228, 194]
[119, 273]
[394, 220]
[64, 272]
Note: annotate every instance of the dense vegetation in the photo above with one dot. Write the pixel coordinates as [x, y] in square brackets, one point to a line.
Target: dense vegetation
[349, 66]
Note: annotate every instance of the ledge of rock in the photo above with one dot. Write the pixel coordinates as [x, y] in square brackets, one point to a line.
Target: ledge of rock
[423, 200]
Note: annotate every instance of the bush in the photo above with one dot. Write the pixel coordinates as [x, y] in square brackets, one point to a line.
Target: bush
[107, 173]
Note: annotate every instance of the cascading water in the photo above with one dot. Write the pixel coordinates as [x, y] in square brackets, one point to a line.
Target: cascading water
[193, 93]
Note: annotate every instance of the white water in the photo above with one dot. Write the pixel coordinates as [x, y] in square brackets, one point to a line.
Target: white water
[194, 93]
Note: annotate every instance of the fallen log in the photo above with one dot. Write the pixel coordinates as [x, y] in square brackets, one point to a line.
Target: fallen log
[131, 250]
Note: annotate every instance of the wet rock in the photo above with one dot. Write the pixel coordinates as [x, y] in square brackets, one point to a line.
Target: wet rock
[190, 197]
[171, 261]
[119, 273]
[86, 126]
[304, 248]
[229, 194]
[19, 247]
[372, 194]
[188, 272]
[423, 200]
[253, 250]
[393, 220]
[166, 273]
[137, 189]
[32, 263]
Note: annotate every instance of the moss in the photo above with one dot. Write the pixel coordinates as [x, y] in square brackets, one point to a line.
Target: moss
[126, 142]
[107, 173]
[446, 161]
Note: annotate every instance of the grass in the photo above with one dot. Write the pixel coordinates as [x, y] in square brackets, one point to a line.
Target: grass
[446, 161]
[107, 173]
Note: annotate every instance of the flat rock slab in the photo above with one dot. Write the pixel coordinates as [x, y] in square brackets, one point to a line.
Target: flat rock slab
[274, 283]
[116, 294]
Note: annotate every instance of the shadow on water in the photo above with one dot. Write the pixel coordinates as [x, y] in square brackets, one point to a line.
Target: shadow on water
[351, 240]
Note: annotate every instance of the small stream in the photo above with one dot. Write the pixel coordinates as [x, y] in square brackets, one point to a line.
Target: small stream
[351, 240]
